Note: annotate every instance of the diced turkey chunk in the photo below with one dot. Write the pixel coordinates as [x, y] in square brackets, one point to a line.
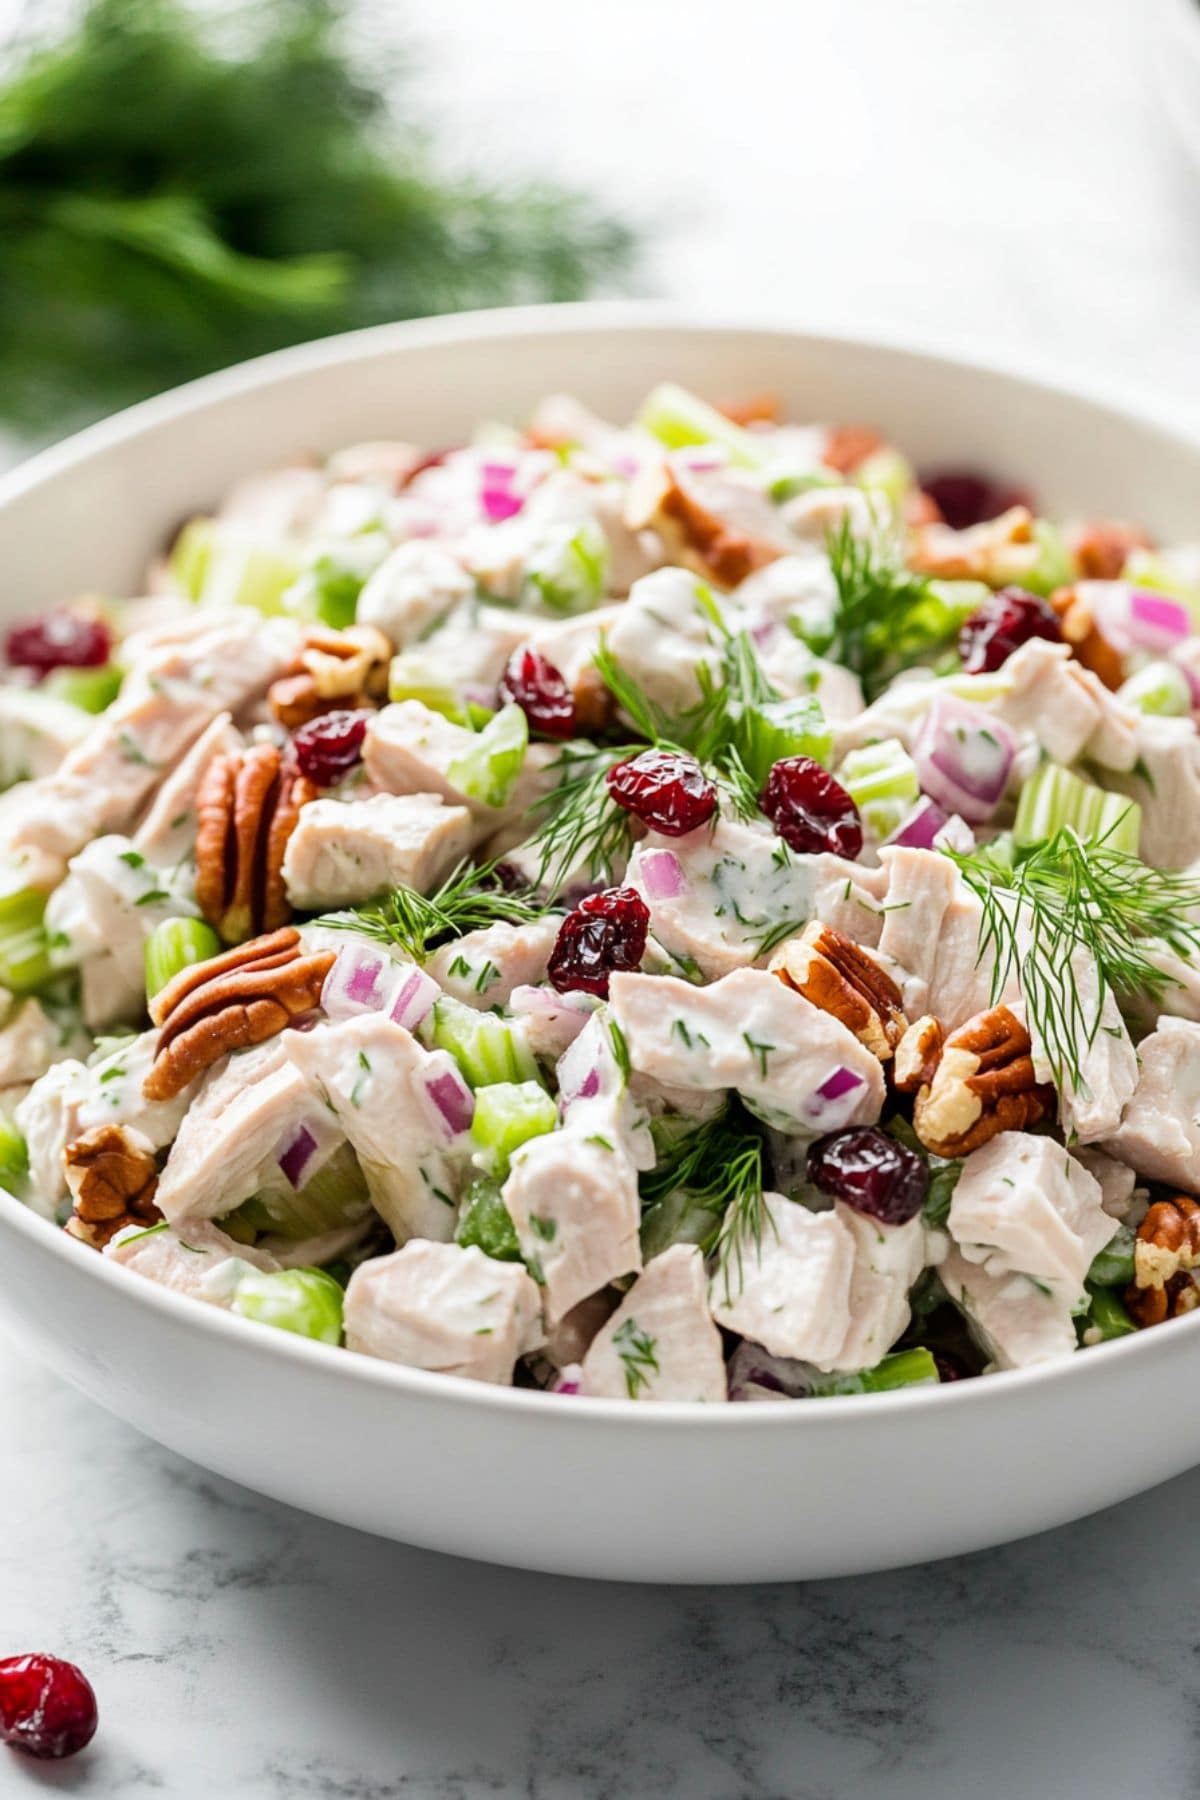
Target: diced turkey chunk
[795, 1065]
[1091, 1107]
[552, 1021]
[663, 635]
[440, 1307]
[714, 894]
[383, 1086]
[241, 1122]
[661, 1343]
[412, 590]
[1159, 1133]
[1015, 1321]
[167, 834]
[718, 522]
[470, 650]
[343, 852]
[31, 1039]
[794, 1295]
[485, 966]
[1023, 1205]
[1166, 785]
[201, 1261]
[71, 1098]
[1045, 692]
[573, 1199]
[410, 749]
[887, 1261]
[36, 731]
[1117, 1181]
[931, 927]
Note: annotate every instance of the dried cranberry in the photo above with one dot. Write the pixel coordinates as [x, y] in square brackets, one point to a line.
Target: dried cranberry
[1004, 622]
[666, 790]
[871, 1172]
[965, 498]
[541, 692]
[329, 747]
[47, 1706]
[606, 932]
[810, 810]
[59, 640]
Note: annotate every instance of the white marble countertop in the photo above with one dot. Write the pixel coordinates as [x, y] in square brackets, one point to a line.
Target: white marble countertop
[979, 177]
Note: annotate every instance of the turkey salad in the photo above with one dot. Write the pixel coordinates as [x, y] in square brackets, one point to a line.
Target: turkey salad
[692, 910]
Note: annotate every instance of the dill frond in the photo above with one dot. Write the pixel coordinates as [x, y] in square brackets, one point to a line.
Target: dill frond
[469, 899]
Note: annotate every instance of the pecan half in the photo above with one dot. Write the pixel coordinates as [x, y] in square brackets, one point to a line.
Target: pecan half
[983, 1083]
[998, 551]
[247, 806]
[112, 1176]
[917, 1054]
[1168, 1241]
[712, 547]
[834, 973]
[1101, 547]
[335, 670]
[229, 1003]
[1088, 643]
[1153, 1305]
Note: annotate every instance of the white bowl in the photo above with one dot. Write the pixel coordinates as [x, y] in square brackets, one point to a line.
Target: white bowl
[603, 1488]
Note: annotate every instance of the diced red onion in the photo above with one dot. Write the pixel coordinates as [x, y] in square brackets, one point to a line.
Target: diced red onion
[496, 493]
[453, 1099]
[413, 998]
[297, 1156]
[662, 874]
[842, 1081]
[833, 1104]
[568, 1380]
[579, 1067]
[354, 983]
[1134, 618]
[963, 756]
[306, 1145]
[919, 828]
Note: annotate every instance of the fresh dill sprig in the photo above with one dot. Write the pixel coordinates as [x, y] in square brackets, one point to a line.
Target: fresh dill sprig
[638, 1352]
[468, 900]
[719, 1165]
[582, 826]
[1067, 896]
[886, 617]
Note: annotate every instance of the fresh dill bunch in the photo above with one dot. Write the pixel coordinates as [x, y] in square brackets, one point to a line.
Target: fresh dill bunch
[719, 1165]
[886, 617]
[469, 899]
[638, 1352]
[1066, 896]
[582, 827]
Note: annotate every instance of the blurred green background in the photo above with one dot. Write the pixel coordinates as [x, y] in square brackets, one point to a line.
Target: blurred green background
[184, 186]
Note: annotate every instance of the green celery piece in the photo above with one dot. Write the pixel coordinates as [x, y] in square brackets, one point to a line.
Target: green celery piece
[488, 770]
[14, 1156]
[567, 573]
[335, 1196]
[769, 730]
[1160, 689]
[1152, 569]
[414, 675]
[173, 945]
[1113, 1266]
[882, 781]
[903, 1368]
[305, 1301]
[92, 690]
[1054, 797]
[24, 947]
[679, 419]
[241, 570]
[677, 1219]
[191, 555]
[488, 1049]
[507, 1115]
[1108, 1315]
[886, 472]
[1054, 567]
[486, 1223]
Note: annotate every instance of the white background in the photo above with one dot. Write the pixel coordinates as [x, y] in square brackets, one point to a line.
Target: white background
[990, 177]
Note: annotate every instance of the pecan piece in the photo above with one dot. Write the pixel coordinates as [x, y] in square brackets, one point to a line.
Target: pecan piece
[755, 409]
[1168, 1242]
[1102, 547]
[836, 974]
[336, 670]
[112, 1176]
[917, 1054]
[695, 536]
[247, 806]
[1152, 1305]
[983, 1083]
[998, 551]
[1088, 643]
[230, 1002]
[848, 446]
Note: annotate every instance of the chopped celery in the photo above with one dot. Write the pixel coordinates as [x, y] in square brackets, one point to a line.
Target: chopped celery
[1107, 1316]
[190, 556]
[1113, 1266]
[92, 690]
[882, 781]
[486, 1047]
[507, 1115]
[886, 472]
[678, 1218]
[1054, 797]
[1054, 567]
[14, 1155]
[24, 946]
[1160, 688]
[175, 944]
[414, 675]
[240, 570]
[903, 1368]
[332, 578]
[784, 484]
[567, 571]
[488, 770]
[1160, 571]
[679, 419]
[306, 1301]
[486, 1223]
[773, 729]
[336, 1195]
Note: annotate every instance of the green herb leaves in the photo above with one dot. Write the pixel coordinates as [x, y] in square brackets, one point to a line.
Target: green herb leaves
[887, 618]
[719, 1165]
[468, 900]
